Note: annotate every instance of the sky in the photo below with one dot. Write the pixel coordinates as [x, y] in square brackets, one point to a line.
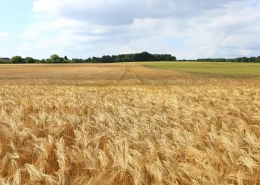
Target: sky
[187, 29]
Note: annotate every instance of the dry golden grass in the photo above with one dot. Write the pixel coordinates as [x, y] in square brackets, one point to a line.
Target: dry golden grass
[129, 135]
[148, 127]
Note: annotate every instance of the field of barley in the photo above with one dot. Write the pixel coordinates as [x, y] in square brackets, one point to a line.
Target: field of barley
[124, 124]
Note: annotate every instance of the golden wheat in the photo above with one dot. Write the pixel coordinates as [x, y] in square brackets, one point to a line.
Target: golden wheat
[129, 135]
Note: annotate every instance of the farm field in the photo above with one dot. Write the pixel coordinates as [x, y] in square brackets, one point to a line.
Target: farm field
[223, 68]
[122, 74]
[127, 124]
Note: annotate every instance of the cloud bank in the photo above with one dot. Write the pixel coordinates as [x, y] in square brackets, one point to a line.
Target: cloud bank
[186, 29]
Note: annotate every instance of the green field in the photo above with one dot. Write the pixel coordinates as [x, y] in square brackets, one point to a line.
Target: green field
[223, 68]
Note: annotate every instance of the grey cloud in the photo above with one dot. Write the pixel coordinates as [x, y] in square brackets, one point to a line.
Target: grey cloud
[124, 12]
[255, 47]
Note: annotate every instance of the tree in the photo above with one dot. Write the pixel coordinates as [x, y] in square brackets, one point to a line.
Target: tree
[95, 60]
[106, 59]
[257, 59]
[42, 61]
[77, 60]
[55, 59]
[30, 60]
[17, 60]
[88, 60]
[144, 56]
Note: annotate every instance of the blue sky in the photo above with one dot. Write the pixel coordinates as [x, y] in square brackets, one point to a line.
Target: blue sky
[15, 15]
[82, 28]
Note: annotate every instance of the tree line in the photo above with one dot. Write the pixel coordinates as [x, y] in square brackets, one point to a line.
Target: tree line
[238, 59]
[135, 57]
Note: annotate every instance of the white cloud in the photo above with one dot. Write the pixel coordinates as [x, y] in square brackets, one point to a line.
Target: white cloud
[6, 39]
[38, 28]
[4, 35]
[186, 29]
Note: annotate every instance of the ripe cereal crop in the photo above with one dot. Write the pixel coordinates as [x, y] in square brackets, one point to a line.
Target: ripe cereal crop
[137, 130]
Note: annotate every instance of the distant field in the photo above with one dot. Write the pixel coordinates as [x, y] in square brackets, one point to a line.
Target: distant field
[223, 68]
[130, 74]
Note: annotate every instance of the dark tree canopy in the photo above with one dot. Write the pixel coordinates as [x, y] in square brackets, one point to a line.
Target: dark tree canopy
[30, 60]
[55, 59]
[17, 60]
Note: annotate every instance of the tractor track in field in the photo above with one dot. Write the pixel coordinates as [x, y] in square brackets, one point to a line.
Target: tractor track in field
[129, 76]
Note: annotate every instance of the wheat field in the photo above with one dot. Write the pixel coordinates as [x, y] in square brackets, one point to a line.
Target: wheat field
[132, 134]
[129, 135]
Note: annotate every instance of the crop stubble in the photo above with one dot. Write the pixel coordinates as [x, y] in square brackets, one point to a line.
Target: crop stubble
[171, 133]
